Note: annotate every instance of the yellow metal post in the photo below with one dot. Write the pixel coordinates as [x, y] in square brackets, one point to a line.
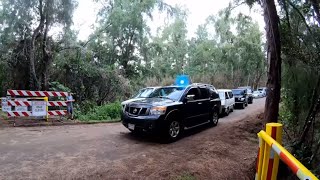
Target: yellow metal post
[278, 128]
[265, 161]
[299, 169]
[46, 100]
[271, 159]
[260, 158]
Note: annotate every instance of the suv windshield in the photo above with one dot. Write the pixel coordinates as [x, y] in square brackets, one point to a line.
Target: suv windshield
[144, 93]
[238, 92]
[173, 93]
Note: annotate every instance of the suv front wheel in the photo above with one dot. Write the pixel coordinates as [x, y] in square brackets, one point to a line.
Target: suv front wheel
[173, 131]
[214, 119]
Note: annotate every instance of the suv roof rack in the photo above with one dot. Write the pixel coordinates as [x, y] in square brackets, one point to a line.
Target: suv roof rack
[202, 85]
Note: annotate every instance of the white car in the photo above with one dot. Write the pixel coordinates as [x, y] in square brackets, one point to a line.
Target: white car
[263, 90]
[227, 100]
[258, 94]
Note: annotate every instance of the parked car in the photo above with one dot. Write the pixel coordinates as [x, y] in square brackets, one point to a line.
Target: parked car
[240, 97]
[249, 93]
[263, 90]
[258, 94]
[227, 101]
[176, 108]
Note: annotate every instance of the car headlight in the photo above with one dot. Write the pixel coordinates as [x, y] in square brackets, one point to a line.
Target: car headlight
[158, 110]
[242, 99]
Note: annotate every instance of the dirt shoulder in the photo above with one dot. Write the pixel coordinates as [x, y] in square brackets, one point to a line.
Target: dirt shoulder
[109, 151]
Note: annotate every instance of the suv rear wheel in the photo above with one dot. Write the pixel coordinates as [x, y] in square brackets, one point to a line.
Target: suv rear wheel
[227, 111]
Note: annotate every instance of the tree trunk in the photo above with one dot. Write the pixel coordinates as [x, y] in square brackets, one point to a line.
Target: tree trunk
[34, 82]
[274, 61]
[46, 51]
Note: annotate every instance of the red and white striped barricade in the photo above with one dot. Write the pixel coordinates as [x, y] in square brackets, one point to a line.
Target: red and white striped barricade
[27, 93]
[38, 108]
[4, 104]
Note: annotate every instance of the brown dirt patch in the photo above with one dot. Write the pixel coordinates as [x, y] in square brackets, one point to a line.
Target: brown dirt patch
[110, 151]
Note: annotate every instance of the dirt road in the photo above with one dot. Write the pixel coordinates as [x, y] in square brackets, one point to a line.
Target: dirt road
[109, 151]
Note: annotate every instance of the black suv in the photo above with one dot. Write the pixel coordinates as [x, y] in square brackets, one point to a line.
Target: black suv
[240, 97]
[249, 93]
[172, 109]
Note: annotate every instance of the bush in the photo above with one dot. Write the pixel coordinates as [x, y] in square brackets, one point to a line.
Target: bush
[108, 112]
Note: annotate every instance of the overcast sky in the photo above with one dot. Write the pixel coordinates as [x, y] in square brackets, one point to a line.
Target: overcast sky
[199, 10]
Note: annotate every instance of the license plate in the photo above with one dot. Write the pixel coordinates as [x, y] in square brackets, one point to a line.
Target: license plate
[131, 126]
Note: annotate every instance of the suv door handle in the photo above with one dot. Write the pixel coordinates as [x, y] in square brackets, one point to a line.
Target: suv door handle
[200, 103]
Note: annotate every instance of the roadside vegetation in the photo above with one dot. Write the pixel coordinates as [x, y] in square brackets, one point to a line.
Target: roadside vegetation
[106, 113]
[122, 55]
[185, 176]
[294, 55]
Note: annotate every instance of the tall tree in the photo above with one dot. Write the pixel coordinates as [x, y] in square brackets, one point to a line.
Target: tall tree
[25, 30]
[274, 61]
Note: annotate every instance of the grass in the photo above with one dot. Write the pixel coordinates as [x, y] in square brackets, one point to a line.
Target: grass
[185, 176]
[106, 113]
[3, 115]
[100, 121]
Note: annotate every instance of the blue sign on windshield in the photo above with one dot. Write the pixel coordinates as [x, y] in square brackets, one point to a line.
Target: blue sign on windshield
[182, 80]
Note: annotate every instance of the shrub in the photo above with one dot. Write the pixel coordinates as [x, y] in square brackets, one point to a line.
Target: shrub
[109, 112]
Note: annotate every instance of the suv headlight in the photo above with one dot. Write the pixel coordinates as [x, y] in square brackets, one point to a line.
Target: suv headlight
[158, 110]
[242, 99]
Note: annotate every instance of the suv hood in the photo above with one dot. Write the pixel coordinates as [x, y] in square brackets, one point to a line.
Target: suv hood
[152, 102]
[130, 100]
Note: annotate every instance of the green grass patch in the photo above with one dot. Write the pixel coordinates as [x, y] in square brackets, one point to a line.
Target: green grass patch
[107, 113]
[3, 115]
[100, 121]
[185, 176]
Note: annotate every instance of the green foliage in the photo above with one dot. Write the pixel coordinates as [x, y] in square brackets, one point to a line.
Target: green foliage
[237, 56]
[56, 86]
[121, 56]
[185, 176]
[300, 37]
[109, 112]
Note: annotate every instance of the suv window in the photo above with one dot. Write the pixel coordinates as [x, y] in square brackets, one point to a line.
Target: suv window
[226, 95]
[230, 95]
[204, 93]
[238, 92]
[195, 92]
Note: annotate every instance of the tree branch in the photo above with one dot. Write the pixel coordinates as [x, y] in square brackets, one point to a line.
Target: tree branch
[315, 5]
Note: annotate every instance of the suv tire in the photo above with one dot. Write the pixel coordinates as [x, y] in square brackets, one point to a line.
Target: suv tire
[227, 111]
[243, 105]
[173, 131]
[214, 119]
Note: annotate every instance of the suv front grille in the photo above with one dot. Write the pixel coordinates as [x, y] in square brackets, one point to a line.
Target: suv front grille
[136, 111]
[143, 111]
